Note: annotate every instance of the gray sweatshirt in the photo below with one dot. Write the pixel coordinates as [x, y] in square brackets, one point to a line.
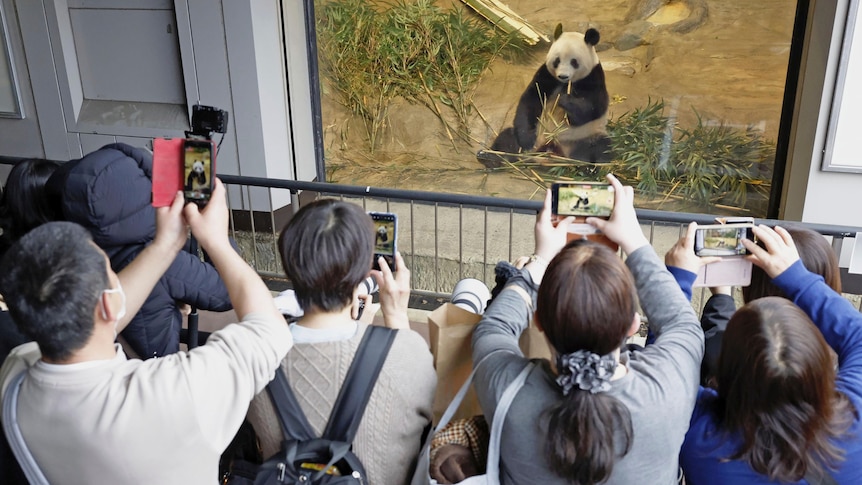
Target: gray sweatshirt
[659, 389]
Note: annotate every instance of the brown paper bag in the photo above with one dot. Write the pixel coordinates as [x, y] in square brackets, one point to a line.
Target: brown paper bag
[450, 330]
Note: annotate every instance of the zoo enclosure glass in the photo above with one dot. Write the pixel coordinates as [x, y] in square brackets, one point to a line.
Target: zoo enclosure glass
[413, 94]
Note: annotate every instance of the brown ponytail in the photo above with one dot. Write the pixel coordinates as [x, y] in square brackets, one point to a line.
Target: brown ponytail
[586, 302]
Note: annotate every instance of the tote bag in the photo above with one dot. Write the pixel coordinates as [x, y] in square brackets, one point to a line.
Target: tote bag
[492, 473]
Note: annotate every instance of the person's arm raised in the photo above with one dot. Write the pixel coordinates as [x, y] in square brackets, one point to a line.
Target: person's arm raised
[247, 291]
[394, 292]
[838, 320]
[683, 264]
[622, 227]
[142, 274]
[550, 239]
[238, 361]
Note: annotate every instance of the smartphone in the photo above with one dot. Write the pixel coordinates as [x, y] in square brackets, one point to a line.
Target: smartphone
[198, 169]
[582, 199]
[727, 272]
[722, 239]
[385, 235]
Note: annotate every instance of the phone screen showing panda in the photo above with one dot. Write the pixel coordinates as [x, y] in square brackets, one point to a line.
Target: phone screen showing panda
[582, 199]
[385, 235]
[198, 168]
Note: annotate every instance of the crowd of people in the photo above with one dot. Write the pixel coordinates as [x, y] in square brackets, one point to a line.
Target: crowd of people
[767, 393]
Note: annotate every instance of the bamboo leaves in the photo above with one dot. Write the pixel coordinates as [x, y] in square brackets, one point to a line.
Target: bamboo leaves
[708, 164]
[372, 52]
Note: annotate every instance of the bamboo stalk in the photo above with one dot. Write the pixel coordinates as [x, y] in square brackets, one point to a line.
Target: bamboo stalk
[437, 109]
[507, 20]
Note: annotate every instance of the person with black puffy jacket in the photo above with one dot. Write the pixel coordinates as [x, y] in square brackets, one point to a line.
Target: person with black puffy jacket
[109, 193]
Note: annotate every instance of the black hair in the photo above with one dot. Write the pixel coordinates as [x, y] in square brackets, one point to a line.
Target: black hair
[51, 280]
[24, 203]
[327, 250]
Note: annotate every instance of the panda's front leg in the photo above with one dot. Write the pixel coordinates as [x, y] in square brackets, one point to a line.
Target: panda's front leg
[579, 111]
[527, 119]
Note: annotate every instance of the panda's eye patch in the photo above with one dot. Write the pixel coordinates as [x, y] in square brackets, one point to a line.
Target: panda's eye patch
[556, 62]
[575, 63]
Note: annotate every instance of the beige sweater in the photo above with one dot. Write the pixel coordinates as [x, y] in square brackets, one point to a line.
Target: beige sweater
[390, 433]
[161, 421]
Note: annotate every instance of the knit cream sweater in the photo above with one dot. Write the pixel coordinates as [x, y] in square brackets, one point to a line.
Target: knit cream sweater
[389, 436]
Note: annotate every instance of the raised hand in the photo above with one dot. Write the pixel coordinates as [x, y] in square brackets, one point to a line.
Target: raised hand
[681, 255]
[210, 224]
[780, 251]
[550, 239]
[171, 229]
[394, 292]
[623, 227]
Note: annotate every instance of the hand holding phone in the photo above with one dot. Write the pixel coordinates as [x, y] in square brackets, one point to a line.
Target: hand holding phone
[582, 199]
[198, 167]
[778, 252]
[385, 238]
[182, 164]
[551, 234]
[623, 227]
[722, 240]
[394, 293]
[682, 254]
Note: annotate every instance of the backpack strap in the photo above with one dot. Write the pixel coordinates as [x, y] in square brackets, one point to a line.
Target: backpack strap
[294, 424]
[493, 463]
[358, 384]
[13, 433]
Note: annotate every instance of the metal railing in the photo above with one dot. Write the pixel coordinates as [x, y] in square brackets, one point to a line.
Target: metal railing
[467, 235]
[444, 236]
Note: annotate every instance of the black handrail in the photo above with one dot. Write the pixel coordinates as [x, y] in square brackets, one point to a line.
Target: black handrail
[518, 205]
[527, 206]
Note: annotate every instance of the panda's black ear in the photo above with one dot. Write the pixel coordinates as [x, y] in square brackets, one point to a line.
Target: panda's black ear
[591, 37]
[558, 31]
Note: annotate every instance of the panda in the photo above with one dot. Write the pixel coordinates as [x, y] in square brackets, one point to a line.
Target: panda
[197, 178]
[569, 89]
[382, 235]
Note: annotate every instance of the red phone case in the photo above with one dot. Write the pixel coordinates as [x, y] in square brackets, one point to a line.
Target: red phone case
[167, 173]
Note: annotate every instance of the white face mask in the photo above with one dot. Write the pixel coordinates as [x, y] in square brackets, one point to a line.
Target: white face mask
[122, 312]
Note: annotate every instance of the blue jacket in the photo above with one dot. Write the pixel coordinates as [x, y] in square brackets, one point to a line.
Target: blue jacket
[707, 444]
[109, 192]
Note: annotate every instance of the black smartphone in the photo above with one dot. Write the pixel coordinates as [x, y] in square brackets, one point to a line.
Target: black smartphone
[385, 235]
[198, 170]
[582, 199]
[722, 239]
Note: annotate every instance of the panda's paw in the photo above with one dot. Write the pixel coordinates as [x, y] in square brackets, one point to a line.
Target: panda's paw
[553, 148]
[506, 142]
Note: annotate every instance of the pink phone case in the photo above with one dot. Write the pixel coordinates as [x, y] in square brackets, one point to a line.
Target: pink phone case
[167, 176]
[727, 272]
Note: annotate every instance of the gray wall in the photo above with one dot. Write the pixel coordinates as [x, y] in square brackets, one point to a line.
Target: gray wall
[811, 194]
[98, 71]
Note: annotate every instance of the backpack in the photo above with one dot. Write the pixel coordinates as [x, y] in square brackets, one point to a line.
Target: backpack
[306, 459]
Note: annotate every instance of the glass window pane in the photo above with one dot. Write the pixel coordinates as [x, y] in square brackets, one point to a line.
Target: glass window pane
[416, 93]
